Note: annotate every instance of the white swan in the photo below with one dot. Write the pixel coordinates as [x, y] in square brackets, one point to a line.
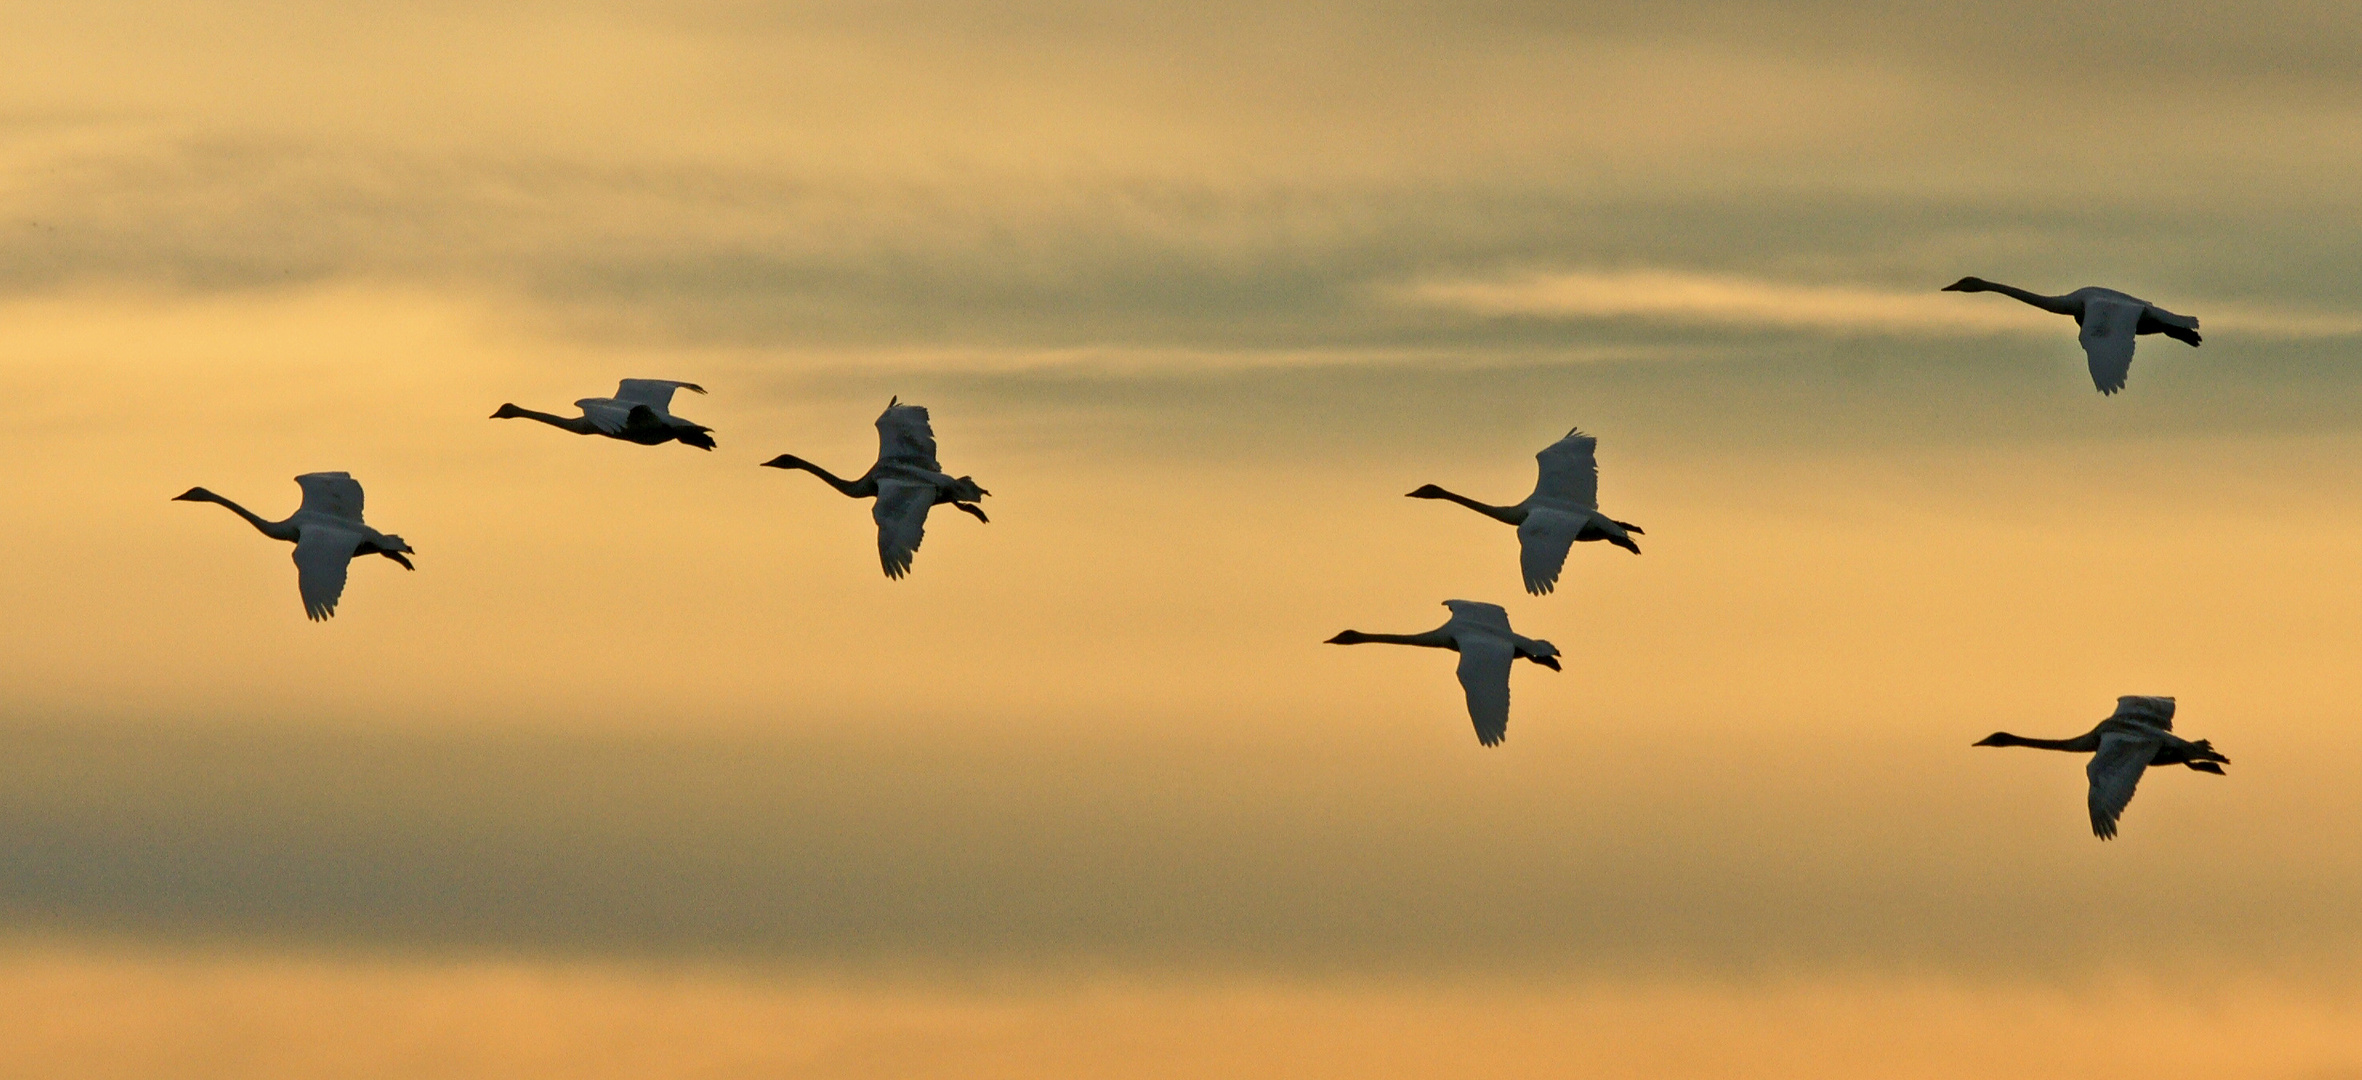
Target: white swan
[1563, 509]
[2124, 745]
[906, 482]
[1480, 633]
[640, 412]
[2110, 320]
[327, 533]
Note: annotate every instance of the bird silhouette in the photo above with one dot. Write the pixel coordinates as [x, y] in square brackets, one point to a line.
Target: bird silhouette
[1480, 633]
[1563, 509]
[2122, 747]
[2110, 320]
[327, 532]
[640, 412]
[906, 481]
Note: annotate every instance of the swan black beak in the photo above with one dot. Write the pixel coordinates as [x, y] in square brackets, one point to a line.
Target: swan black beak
[1550, 662]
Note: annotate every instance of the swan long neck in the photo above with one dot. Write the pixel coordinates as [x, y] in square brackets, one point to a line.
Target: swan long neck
[580, 425]
[276, 530]
[1433, 639]
[2055, 304]
[2085, 743]
[856, 489]
[1514, 515]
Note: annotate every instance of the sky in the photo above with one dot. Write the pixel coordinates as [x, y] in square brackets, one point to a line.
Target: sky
[647, 771]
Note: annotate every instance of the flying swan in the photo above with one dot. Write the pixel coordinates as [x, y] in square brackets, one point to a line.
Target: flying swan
[640, 412]
[1480, 633]
[2110, 320]
[327, 533]
[906, 482]
[1563, 509]
[2139, 735]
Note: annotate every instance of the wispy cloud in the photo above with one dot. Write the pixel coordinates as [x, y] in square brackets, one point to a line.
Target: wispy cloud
[1673, 295]
[1731, 300]
[1223, 852]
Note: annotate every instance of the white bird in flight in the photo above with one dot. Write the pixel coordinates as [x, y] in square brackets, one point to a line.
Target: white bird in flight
[1480, 633]
[2110, 320]
[327, 533]
[906, 482]
[1563, 509]
[640, 412]
[2124, 745]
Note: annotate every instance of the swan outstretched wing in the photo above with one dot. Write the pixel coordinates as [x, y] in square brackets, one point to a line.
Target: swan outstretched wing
[1479, 615]
[1484, 674]
[1570, 471]
[2157, 712]
[905, 437]
[612, 416]
[1542, 543]
[2115, 770]
[332, 493]
[2109, 324]
[901, 514]
[656, 394]
[322, 555]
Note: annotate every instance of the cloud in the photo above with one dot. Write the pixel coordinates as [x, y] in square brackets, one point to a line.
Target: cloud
[1722, 300]
[1021, 272]
[1235, 181]
[1726, 300]
[1571, 856]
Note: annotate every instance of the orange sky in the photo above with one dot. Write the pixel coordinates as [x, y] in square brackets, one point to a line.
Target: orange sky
[1198, 295]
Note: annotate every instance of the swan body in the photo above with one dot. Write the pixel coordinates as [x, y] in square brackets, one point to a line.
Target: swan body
[1563, 510]
[1480, 633]
[907, 481]
[640, 412]
[327, 532]
[2110, 321]
[2122, 747]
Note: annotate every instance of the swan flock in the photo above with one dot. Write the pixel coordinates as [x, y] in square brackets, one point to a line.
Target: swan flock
[907, 481]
